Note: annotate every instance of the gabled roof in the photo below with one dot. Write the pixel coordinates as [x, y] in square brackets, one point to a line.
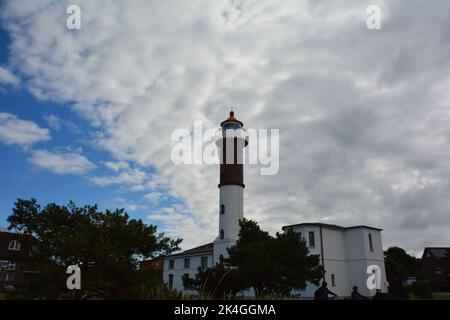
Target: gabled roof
[206, 248]
[329, 226]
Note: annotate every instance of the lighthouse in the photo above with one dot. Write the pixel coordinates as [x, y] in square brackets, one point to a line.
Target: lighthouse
[231, 139]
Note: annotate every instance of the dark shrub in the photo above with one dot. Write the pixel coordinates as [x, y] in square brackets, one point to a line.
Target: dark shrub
[421, 290]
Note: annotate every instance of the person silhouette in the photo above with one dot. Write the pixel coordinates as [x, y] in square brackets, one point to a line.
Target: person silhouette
[356, 295]
[323, 292]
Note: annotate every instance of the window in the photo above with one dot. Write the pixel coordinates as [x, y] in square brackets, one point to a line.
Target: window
[11, 266]
[170, 281]
[204, 262]
[299, 236]
[222, 234]
[9, 277]
[187, 263]
[171, 264]
[312, 243]
[3, 264]
[8, 265]
[186, 276]
[222, 209]
[370, 242]
[14, 245]
[333, 280]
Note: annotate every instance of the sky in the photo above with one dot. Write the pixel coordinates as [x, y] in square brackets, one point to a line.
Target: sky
[363, 115]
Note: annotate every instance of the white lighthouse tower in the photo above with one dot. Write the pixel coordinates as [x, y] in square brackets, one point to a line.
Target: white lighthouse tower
[231, 139]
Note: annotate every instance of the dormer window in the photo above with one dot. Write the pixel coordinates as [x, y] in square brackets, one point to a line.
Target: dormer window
[14, 245]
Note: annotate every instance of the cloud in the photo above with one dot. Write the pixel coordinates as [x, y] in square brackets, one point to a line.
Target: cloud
[154, 197]
[61, 163]
[53, 121]
[6, 77]
[132, 176]
[359, 111]
[20, 132]
[117, 165]
[57, 123]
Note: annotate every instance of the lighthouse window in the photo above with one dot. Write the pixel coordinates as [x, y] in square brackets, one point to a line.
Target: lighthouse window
[222, 209]
[222, 234]
[333, 280]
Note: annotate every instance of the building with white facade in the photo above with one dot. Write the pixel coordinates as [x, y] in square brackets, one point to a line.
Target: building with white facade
[345, 253]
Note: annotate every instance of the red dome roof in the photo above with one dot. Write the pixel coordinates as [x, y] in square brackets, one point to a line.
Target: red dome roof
[231, 118]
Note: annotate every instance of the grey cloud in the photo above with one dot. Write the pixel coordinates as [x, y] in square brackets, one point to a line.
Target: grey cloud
[363, 115]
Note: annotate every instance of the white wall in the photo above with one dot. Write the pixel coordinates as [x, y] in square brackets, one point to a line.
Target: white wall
[335, 260]
[360, 257]
[178, 271]
[232, 197]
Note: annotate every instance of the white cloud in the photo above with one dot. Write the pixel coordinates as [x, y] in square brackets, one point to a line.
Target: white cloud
[53, 121]
[132, 176]
[21, 132]
[358, 110]
[154, 197]
[61, 163]
[56, 123]
[6, 77]
[117, 165]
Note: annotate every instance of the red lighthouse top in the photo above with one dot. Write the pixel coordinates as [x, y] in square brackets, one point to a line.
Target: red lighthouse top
[231, 118]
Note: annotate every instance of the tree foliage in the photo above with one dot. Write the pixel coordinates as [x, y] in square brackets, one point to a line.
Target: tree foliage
[399, 266]
[107, 246]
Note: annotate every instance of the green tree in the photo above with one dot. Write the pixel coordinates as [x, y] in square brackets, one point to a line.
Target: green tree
[399, 266]
[106, 245]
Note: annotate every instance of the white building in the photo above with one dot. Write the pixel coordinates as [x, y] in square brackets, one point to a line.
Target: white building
[345, 253]
[186, 263]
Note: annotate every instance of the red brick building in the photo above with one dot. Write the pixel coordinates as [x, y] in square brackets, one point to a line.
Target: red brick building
[12, 257]
[153, 264]
[436, 267]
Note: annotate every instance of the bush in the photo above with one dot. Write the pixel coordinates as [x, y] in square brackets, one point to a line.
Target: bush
[421, 290]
